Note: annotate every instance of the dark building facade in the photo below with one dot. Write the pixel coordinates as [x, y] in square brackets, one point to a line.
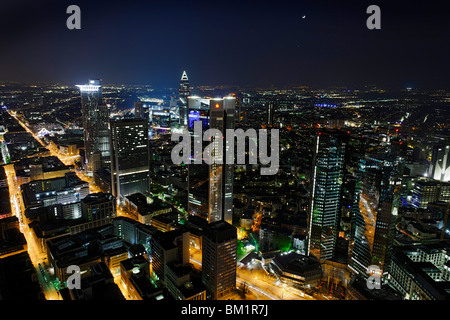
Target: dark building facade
[219, 258]
[129, 157]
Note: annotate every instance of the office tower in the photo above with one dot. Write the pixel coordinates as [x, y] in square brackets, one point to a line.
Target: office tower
[376, 213]
[328, 171]
[211, 186]
[427, 190]
[440, 163]
[238, 109]
[220, 173]
[62, 190]
[219, 245]
[99, 206]
[270, 113]
[95, 123]
[183, 94]
[167, 247]
[129, 157]
[138, 110]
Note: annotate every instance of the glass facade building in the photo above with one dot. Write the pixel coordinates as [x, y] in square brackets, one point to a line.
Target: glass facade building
[129, 157]
[95, 116]
[375, 216]
[183, 94]
[210, 185]
[328, 172]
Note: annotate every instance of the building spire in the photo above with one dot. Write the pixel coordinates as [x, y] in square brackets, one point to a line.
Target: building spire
[184, 76]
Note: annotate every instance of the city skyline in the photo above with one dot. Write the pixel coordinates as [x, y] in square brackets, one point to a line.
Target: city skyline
[135, 160]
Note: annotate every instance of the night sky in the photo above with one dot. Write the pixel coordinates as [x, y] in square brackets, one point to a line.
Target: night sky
[227, 43]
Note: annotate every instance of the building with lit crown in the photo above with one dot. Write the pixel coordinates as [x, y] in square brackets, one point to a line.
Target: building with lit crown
[183, 94]
[95, 116]
[210, 186]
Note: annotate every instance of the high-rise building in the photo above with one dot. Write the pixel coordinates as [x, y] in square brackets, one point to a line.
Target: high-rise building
[129, 157]
[95, 123]
[328, 172]
[440, 163]
[219, 245]
[270, 113]
[210, 186]
[138, 110]
[167, 247]
[376, 214]
[183, 94]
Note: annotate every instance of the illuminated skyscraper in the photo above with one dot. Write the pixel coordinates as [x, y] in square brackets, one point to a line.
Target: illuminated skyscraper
[376, 214]
[95, 123]
[328, 172]
[219, 258]
[183, 94]
[440, 163]
[129, 157]
[210, 186]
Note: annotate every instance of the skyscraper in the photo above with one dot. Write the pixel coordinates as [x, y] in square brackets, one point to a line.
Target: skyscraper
[138, 110]
[219, 245]
[129, 157]
[440, 163]
[183, 94]
[376, 214]
[210, 186]
[95, 123]
[328, 171]
[270, 113]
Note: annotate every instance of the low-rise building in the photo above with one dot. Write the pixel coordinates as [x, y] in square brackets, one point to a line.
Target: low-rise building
[297, 269]
[145, 208]
[12, 241]
[135, 275]
[98, 285]
[183, 283]
[421, 272]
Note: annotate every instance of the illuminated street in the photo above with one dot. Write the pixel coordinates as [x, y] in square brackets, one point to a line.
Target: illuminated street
[256, 279]
[34, 249]
[37, 255]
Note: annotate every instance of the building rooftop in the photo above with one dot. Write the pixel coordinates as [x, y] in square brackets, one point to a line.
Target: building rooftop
[97, 198]
[296, 263]
[167, 239]
[220, 231]
[191, 287]
[99, 285]
[440, 290]
[131, 263]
